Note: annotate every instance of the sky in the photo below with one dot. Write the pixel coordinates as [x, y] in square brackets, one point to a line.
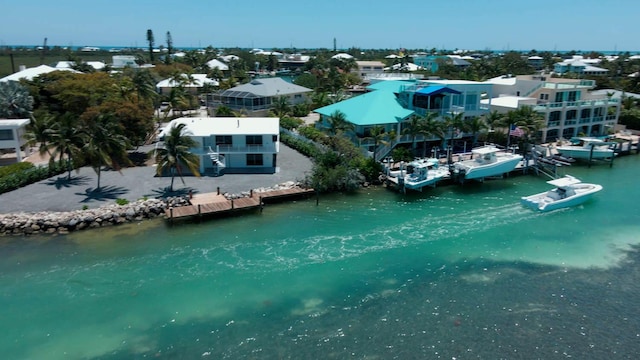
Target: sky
[586, 25]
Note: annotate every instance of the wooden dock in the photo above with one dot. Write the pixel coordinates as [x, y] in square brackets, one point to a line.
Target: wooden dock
[207, 204]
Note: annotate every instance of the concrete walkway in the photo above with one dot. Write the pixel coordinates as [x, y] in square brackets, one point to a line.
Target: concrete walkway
[60, 194]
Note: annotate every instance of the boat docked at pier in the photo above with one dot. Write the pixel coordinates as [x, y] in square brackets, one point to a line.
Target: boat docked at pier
[568, 191]
[586, 148]
[417, 174]
[486, 161]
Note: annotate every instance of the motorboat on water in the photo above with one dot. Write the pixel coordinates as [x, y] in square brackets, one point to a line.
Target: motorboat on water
[568, 191]
[486, 161]
[586, 148]
[418, 173]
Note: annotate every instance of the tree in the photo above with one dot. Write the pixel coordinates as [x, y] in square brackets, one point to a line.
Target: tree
[338, 123]
[379, 136]
[15, 101]
[475, 125]
[66, 139]
[175, 153]
[169, 48]
[38, 133]
[281, 107]
[413, 128]
[104, 145]
[434, 127]
[151, 40]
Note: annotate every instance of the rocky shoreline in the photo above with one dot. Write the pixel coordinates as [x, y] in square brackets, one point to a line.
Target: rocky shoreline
[45, 222]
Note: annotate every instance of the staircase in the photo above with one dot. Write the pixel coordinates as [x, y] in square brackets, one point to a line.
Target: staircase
[217, 160]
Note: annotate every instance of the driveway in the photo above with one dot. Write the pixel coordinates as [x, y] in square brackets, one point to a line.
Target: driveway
[61, 194]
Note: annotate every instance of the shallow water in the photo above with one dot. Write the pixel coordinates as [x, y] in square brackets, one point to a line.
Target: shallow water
[453, 272]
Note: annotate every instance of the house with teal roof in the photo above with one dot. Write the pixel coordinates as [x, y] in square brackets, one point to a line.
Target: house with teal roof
[391, 104]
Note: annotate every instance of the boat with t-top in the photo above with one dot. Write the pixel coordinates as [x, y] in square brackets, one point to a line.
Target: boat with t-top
[417, 174]
[586, 148]
[568, 191]
[486, 161]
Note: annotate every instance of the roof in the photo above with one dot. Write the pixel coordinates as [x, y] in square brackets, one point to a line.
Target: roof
[207, 126]
[370, 63]
[13, 123]
[436, 89]
[372, 108]
[342, 56]
[391, 85]
[266, 87]
[33, 72]
[198, 81]
[512, 102]
[407, 67]
[215, 63]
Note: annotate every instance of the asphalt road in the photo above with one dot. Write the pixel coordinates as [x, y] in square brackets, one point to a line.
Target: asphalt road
[60, 194]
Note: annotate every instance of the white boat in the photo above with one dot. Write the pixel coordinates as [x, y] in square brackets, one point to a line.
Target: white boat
[486, 161]
[418, 174]
[586, 148]
[568, 191]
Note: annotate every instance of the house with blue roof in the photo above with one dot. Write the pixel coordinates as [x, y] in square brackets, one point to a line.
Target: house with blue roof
[391, 104]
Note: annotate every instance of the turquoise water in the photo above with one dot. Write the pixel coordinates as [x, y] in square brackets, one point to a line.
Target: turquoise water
[453, 272]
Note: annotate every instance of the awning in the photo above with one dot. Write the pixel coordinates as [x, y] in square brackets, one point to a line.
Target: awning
[436, 89]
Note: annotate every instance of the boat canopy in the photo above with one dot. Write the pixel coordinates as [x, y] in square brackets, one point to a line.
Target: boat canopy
[564, 181]
[485, 150]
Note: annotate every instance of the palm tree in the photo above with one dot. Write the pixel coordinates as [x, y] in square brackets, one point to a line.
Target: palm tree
[475, 125]
[413, 128]
[338, 123]
[39, 133]
[495, 119]
[281, 107]
[175, 153]
[433, 127]
[15, 100]
[529, 120]
[451, 123]
[105, 144]
[378, 135]
[144, 85]
[66, 138]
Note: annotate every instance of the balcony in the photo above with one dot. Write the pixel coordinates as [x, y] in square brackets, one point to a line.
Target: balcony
[238, 149]
[570, 122]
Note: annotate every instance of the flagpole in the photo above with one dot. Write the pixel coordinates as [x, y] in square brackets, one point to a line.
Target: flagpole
[509, 136]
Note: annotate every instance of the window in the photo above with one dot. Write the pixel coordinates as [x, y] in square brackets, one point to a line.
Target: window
[554, 116]
[559, 97]
[255, 160]
[254, 139]
[223, 140]
[573, 95]
[274, 138]
[544, 96]
[572, 114]
[6, 134]
[585, 113]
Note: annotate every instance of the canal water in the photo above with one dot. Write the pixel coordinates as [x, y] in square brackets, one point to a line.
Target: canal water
[453, 272]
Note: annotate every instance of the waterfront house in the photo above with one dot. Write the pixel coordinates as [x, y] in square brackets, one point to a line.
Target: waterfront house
[579, 65]
[432, 62]
[233, 145]
[568, 106]
[258, 96]
[366, 69]
[390, 104]
[12, 133]
[31, 73]
[192, 83]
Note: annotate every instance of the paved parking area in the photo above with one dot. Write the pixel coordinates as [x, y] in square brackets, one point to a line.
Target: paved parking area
[60, 194]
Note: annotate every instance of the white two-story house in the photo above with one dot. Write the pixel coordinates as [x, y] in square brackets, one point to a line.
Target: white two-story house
[568, 106]
[233, 145]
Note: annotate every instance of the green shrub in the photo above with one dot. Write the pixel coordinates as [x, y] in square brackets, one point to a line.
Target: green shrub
[122, 201]
[29, 174]
[306, 148]
[290, 123]
[85, 207]
[14, 168]
[311, 133]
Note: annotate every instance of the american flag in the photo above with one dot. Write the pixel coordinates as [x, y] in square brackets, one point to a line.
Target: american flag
[516, 131]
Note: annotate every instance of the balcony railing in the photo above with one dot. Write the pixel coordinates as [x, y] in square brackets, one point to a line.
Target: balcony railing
[581, 103]
[238, 149]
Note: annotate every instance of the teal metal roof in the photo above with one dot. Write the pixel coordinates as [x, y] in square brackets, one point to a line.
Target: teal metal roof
[391, 85]
[372, 108]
